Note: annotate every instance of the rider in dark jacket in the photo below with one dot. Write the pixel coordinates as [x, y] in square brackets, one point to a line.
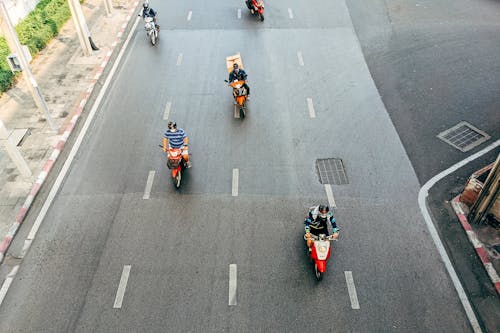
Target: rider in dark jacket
[239, 74]
[316, 223]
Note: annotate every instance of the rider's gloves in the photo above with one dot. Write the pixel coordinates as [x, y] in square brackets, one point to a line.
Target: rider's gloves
[335, 230]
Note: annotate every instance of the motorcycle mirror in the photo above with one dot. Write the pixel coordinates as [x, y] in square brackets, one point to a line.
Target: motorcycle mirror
[226, 81]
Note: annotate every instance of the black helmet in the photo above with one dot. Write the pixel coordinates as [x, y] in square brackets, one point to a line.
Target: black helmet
[172, 125]
[323, 210]
[235, 65]
[145, 5]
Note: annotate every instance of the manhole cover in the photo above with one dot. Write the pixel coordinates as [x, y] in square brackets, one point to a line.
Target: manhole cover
[464, 136]
[331, 171]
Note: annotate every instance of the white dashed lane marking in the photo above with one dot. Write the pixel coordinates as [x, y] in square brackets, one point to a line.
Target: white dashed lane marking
[232, 284]
[236, 175]
[179, 59]
[168, 106]
[329, 194]
[239, 13]
[301, 60]
[310, 106]
[352, 290]
[290, 13]
[149, 185]
[190, 14]
[121, 287]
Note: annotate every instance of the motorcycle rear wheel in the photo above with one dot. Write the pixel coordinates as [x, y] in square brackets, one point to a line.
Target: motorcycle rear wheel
[261, 16]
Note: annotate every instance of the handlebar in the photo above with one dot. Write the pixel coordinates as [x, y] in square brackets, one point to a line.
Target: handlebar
[330, 237]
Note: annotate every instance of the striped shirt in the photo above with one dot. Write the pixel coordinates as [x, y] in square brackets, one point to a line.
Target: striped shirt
[176, 139]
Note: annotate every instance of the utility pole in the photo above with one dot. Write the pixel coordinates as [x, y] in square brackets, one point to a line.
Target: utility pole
[488, 194]
[15, 46]
[81, 27]
[108, 6]
[13, 152]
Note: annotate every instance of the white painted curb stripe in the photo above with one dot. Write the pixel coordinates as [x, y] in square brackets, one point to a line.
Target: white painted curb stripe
[422, 196]
[310, 107]
[236, 175]
[8, 281]
[329, 194]
[232, 284]
[473, 239]
[74, 149]
[290, 13]
[179, 59]
[189, 15]
[301, 60]
[239, 13]
[149, 185]
[492, 272]
[167, 110]
[121, 287]
[352, 290]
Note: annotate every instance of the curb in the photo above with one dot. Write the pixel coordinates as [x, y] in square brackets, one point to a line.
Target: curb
[59, 146]
[478, 246]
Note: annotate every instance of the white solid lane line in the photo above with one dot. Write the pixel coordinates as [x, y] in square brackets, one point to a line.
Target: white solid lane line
[232, 284]
[189, 15]
[352, 290]
[149, 184]
[236, 175]
[76, 146]
[301, 60]
[422, 198]
[329, 194]
[121, 287]
[290, 13]
[310, 106]
[167, 110]
[7, 282]
[239, 13]
[179, 59]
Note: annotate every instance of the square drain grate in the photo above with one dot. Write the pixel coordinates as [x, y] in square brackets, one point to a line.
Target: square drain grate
[463, 136]
[331, 171]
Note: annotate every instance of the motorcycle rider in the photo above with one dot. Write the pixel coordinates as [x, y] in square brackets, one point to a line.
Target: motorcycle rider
[177, 138]
[316, 223]
[240, 75]
[147, 11]
[250, 4]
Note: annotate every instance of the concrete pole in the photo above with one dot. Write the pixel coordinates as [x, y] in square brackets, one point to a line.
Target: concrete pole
[488, 194]
[13, 152]
[15, 46]
[74, 5]
[108, 6]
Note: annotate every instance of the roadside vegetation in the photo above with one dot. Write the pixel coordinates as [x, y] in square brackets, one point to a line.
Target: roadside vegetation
[35, 31]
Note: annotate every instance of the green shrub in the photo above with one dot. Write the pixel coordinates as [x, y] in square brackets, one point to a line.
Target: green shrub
[35, 31]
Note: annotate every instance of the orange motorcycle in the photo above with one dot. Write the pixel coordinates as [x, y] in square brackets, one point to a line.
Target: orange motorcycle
[176, 164]
[239, 91]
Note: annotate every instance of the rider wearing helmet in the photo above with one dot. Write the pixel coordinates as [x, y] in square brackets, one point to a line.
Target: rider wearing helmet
[176, 138]
[239, 75]
[317, 220]
[147, 11]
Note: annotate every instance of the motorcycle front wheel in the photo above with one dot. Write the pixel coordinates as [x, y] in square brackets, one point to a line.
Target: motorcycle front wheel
[242, 113]
[177, 180]
[319, 275]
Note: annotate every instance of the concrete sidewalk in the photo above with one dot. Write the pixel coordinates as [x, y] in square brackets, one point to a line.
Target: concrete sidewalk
[66, 78]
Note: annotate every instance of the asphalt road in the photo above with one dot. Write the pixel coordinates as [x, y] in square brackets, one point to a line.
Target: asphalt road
[179, 244]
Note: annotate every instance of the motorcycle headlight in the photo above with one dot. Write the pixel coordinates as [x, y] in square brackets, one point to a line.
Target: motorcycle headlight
[322, 249]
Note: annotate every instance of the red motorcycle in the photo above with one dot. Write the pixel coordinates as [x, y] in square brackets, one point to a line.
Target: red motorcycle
[176, 164]
[256, 8]
[320, 252]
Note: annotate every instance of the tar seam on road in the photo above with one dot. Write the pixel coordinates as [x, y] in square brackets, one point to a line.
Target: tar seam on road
[179, 59]
[168, 106]
[232, 284]
[121, 287]
[189, 15]
[7, 282]
[422, 199]
[352, 290]
[149, 185]
[329, 194]
[74, 149]
[301, 60]
[290, 13]
[310, 106]
[234, 190]
[239, 13]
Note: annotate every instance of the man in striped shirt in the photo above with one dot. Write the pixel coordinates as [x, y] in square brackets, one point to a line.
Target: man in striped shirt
[176, 138]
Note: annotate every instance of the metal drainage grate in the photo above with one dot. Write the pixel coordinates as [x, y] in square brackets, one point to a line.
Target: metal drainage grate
[464, 136]
[331, 171]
